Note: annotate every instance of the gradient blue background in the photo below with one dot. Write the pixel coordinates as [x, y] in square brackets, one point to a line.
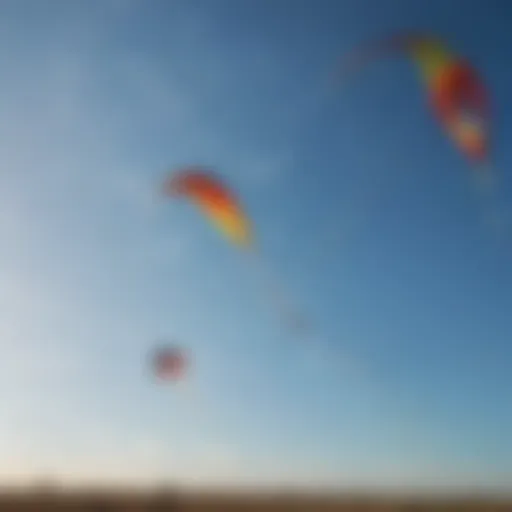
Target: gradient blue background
[365, 211]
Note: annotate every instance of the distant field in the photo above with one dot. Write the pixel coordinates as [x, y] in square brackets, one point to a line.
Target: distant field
[173, 503]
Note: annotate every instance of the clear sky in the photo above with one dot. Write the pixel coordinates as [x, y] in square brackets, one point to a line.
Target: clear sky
[365, 211]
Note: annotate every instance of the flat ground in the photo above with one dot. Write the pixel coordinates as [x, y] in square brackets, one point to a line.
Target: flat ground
[125, 502]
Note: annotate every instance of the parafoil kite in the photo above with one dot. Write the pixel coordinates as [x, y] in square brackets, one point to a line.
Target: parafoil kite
[169, 364]
[218, 203]
[456, 93]
[211, 195]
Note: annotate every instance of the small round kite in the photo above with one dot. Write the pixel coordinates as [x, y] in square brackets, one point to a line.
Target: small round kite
[169, 364]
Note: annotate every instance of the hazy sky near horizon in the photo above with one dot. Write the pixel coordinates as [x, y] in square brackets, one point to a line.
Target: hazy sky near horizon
[365, 211]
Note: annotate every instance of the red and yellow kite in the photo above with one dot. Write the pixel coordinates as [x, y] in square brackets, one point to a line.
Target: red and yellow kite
[456, 93]
[170, 363]
[215, 200]
[219, 204]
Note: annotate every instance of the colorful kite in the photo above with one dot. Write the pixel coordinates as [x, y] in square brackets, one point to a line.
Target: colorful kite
[209, 193]
[169, 364]
[456, 93]
[213, 198]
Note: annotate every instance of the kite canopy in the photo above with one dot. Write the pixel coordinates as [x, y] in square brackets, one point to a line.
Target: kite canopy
[205, 189]
[456, 92]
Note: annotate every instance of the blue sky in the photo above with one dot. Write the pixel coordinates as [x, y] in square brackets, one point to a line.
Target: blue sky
[364, 210]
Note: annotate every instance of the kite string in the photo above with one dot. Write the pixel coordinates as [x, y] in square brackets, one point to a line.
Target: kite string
[328, 353]
[485, 182]
[287, 311]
